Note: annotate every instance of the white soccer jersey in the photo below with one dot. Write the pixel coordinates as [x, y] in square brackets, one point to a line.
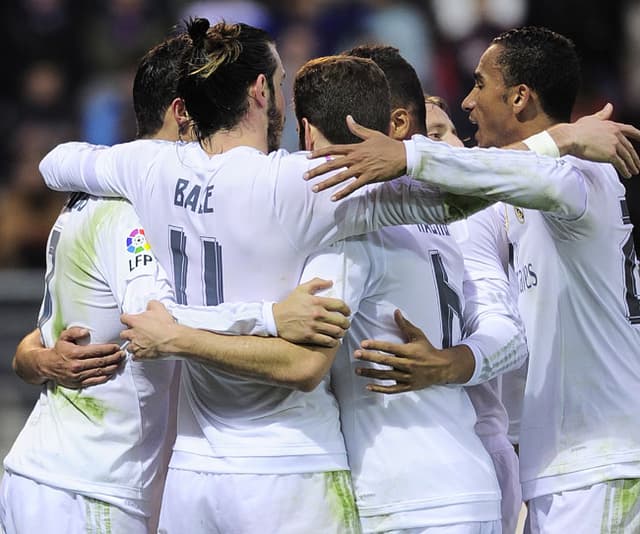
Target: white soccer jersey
[416, 460]
[238, 226]
[577, 277]
[102, 441]
[105, 441]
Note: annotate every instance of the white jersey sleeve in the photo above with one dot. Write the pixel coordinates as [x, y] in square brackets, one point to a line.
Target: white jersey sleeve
[518, 177]
[242, 319]
[117, 171]
[494, 327]
[310, 220]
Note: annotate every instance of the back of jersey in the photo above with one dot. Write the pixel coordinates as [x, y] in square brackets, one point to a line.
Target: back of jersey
[413, 455]
[221, 238]
[104, 440]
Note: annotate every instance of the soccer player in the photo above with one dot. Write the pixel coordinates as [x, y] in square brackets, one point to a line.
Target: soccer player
[579, 433]
[486, 300]
[94, 458]
[487, 289]
[228, 206]
[415, 458]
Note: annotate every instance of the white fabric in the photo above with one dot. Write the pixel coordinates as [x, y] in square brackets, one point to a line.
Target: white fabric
[473, 527]
[610, 507]
[491, 318]
[27, 506]
[542, 143]
[107, 441]
[581, 415]
[577, 277]
[414, 456]
[248, 504]
[102, 441]
[257, 220]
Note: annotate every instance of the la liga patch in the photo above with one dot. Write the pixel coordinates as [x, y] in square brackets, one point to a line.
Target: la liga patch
[137, 241]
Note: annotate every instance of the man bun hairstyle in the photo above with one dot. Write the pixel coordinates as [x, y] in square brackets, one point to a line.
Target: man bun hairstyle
[223, 62]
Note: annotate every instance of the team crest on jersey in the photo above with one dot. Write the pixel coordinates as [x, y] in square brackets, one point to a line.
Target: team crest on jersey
[137, 241]
[519, 214]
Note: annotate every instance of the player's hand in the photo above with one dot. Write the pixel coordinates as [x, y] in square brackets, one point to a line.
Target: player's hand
[76, 366]
[149, 333]
[596, 138]
[414, 365]
[306, 318]
[377, 159]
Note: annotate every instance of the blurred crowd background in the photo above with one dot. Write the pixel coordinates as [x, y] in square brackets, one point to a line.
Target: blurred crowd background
[69, 64]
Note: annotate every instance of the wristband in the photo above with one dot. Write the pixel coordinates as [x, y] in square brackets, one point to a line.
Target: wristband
[542, 143]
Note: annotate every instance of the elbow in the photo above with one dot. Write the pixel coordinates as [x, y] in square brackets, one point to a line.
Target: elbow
[310, 376]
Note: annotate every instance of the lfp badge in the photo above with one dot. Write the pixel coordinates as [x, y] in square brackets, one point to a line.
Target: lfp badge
[137, 242]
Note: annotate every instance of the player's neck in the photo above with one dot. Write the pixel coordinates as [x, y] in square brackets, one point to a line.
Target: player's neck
[536, 125]
[244, 134]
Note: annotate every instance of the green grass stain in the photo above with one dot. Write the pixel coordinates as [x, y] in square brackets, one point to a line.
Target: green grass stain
[77, 258]
[621, 507]
[342, 500]
[630, 495]
[90, 407]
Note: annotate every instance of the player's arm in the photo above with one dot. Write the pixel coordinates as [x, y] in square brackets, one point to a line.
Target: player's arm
[380, 158]
[414, 364]
[313, 221]
[99, 170]
[302, 317]
[495, 332]
[154, 334]
[496, 342]
[69, 364]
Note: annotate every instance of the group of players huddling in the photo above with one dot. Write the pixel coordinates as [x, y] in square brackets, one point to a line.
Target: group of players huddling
[326, 358]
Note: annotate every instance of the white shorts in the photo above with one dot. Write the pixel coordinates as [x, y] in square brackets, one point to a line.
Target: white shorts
[210, 503]
[610, 507]
[505, 462]
[478, 527]
[27, 506]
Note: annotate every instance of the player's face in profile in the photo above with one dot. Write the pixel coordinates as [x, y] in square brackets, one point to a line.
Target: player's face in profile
[487, 103]
[440, 127]
[275, 112]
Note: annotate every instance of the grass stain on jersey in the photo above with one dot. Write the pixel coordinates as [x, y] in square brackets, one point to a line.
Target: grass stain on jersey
[90, 407]
[342, 501]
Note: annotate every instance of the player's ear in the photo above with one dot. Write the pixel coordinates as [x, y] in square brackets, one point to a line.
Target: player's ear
[309, 141]
[259, 91]
[521, 97]
[181, 116]
[400, 124]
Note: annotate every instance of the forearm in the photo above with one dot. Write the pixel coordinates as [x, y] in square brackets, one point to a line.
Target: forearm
[270, 360]
[27, 361]
[462, 364]
[497, 336]
[517, 177]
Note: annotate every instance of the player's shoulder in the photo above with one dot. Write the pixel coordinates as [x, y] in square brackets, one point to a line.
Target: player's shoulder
[600, 175]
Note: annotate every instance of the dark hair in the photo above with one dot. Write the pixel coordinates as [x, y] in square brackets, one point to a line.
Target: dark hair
[327, 89]
[217, 71]
[545, 61]
[404, 84]
[156, 84]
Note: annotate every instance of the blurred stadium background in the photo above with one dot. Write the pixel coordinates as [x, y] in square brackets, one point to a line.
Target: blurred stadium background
[69, 67]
